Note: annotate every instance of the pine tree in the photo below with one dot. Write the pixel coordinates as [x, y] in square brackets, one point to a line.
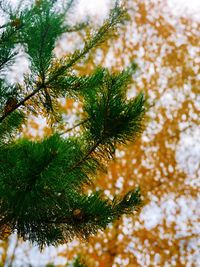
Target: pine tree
[42, 183]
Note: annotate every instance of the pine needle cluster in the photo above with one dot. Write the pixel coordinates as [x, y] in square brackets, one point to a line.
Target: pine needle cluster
[41, 182]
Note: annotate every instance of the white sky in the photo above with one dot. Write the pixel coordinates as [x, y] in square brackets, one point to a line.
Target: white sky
[190, 4]
[190, 7]
[100, 7]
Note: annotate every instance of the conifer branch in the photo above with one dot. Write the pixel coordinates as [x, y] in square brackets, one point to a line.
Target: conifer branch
[4, 25]
[5, 37]
[42, 194]
[90, 151]
[41, 48]
[98, 142]
[69, 5]
[22, 102]
[6, 60]
[96, 40]
[75, 28]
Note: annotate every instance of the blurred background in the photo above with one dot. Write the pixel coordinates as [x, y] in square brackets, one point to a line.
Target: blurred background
[163, 38]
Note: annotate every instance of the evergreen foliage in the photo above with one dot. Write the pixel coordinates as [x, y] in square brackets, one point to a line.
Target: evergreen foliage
[78, 262]
[41, 182]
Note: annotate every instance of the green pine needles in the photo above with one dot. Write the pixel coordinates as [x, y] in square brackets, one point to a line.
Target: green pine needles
[41, 182]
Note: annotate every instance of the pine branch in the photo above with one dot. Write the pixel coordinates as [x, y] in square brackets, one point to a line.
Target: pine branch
[7, 35]
[75, 28]
[41, 184]
[68, 6]
[98, 141]
[4, 25]
[10, 126]
[22, 102]
[90, 151]
[115, 18]
[5, 61]
[41, 48]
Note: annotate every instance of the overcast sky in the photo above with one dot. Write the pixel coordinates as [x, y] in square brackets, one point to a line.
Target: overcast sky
[191, 7]
[97, 7]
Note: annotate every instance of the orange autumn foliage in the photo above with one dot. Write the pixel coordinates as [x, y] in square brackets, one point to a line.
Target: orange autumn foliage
[166, 49]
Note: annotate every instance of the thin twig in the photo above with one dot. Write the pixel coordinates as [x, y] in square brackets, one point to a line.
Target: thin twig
[21, 102]
[4, 25]
[13, 253]
[73, 127]
[91, 150]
